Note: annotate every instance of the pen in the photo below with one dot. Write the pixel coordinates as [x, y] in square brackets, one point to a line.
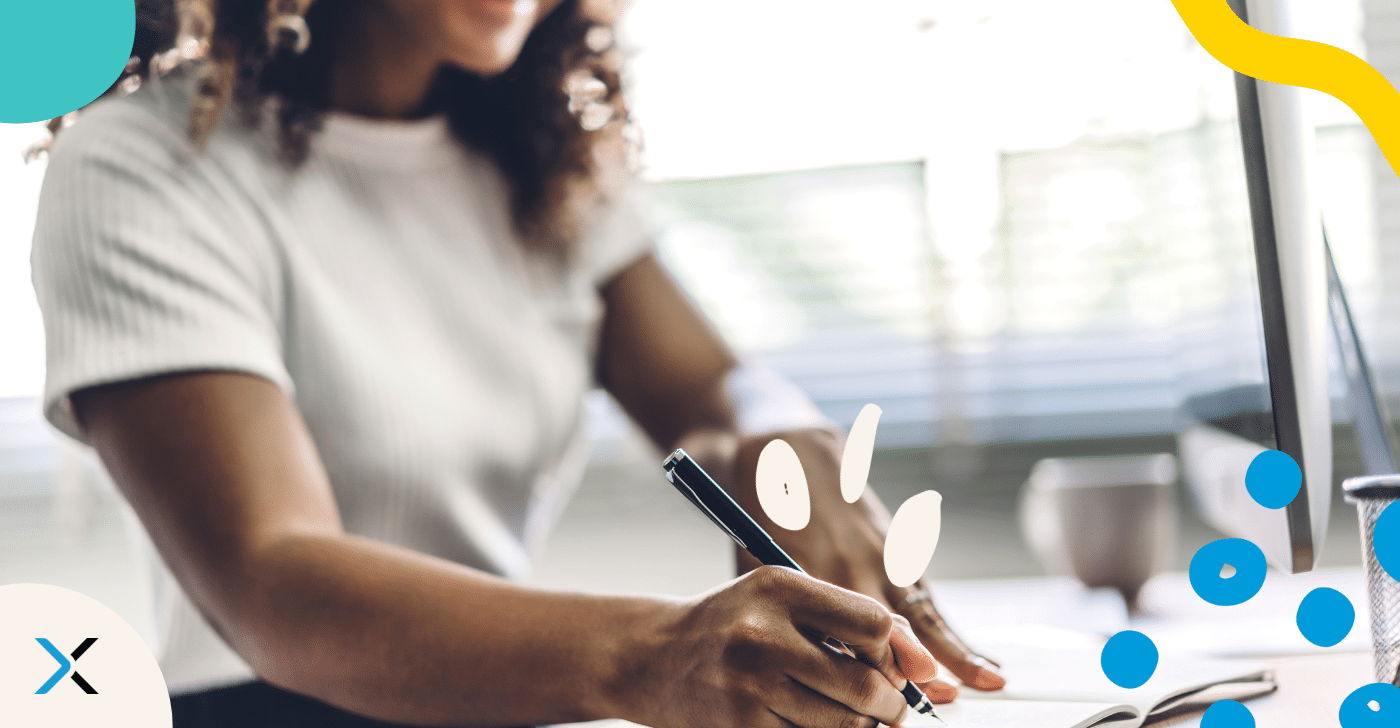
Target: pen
[699, 488]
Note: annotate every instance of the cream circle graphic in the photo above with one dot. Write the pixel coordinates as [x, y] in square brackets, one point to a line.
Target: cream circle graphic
[784, 496]
[71, 662]
[912, 537]
[860, 446]
[782, 486]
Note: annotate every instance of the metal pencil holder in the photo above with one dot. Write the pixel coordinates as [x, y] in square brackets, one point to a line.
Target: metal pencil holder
[1371, 494]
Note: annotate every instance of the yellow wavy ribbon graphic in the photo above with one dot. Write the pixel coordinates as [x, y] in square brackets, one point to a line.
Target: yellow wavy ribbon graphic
[1295, 62]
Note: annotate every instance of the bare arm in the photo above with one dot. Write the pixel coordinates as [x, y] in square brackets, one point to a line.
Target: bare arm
[225, 477]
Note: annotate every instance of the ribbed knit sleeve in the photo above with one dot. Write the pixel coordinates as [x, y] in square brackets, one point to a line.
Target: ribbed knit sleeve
[623, 233]
[146, 261]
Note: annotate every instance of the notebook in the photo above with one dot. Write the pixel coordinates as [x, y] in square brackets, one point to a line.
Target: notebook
[1064, 687]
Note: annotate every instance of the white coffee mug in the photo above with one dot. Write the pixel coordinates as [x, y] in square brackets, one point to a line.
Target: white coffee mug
[1109, 521]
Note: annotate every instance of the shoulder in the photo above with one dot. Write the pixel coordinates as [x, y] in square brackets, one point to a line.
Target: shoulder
[127, 190]
[128, 171]
[145, 136]
[147, 124]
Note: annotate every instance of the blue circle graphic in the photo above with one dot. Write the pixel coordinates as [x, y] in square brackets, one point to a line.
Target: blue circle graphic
[1273, 479]
[1237, 588]
[1128, 659]
[1227, 714]
[1385, 540]
[1325, 616]
[59, 56]
[1356, 711]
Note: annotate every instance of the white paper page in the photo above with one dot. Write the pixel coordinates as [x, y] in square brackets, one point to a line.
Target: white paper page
[1264, 625]
[1041, 673]
[1170, 612]
[1029, 714]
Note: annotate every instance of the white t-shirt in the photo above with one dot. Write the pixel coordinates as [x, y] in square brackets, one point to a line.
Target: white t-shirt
[440, 367]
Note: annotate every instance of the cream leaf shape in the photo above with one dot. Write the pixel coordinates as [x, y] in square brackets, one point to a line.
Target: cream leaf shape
[912, 537]
[860, 446]
[782, 486]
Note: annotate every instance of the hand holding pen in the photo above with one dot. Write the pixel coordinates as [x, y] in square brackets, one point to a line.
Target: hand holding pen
[749, 654]
[876, 650]
[842, 544]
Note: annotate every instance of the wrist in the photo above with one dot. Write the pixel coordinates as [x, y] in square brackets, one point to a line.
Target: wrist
[633, 670]
[714, 449]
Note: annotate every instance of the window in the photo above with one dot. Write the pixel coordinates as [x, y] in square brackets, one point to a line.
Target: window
[998, 219]
[1084, 223]
[27, 447]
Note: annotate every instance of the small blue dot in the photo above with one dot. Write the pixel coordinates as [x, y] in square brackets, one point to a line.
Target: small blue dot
[1227, 714]
[1385, 540]
[1273, 479]
[1357, 710]
[1237, 588]
[1128, 659]
[1325, 616]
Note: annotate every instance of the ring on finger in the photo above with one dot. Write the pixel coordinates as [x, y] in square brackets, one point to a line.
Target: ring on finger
[914, 597]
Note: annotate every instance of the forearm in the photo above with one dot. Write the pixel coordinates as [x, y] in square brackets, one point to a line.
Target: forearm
[404, 637]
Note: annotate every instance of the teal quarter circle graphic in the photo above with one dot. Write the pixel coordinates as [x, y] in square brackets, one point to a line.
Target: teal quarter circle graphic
[1371, 706]
[1211, 583]
[1227, 714]
[1325, 616]
[1385, 540]
[1128, 659]
[59, 55]
[1273, 479]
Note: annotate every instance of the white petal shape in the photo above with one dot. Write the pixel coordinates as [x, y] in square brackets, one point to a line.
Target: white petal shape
[912, 537]
[860, 445]
[782, 486]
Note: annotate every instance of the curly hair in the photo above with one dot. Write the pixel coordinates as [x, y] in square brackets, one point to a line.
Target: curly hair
[553, 123]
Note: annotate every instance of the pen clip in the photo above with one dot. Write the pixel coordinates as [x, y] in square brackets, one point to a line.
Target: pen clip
[686, 491]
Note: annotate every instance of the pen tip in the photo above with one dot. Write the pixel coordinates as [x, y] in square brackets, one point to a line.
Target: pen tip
[925, 707]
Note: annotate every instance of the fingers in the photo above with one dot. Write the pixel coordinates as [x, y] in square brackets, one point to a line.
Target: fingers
[973, 670]
[913, 659]
[939, 692]
[866, 685]
[917, 664]
[829, 688]
[855, 620]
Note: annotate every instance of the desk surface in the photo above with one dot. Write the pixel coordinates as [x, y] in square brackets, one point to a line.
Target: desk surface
[1311, 685]
[1311, 689]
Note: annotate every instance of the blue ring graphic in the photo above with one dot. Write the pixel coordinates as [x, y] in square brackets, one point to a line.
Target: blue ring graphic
[1356, 711]
[1206, 565]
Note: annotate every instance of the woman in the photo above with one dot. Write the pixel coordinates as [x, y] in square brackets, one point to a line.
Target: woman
[326, 303]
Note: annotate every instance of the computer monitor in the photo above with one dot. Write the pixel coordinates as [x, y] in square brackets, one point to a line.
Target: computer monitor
[1225, 429]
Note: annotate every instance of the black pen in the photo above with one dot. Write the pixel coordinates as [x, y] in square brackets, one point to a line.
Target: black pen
[699, 488]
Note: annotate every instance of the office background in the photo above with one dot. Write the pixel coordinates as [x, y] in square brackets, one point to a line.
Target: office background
[1018, 227]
